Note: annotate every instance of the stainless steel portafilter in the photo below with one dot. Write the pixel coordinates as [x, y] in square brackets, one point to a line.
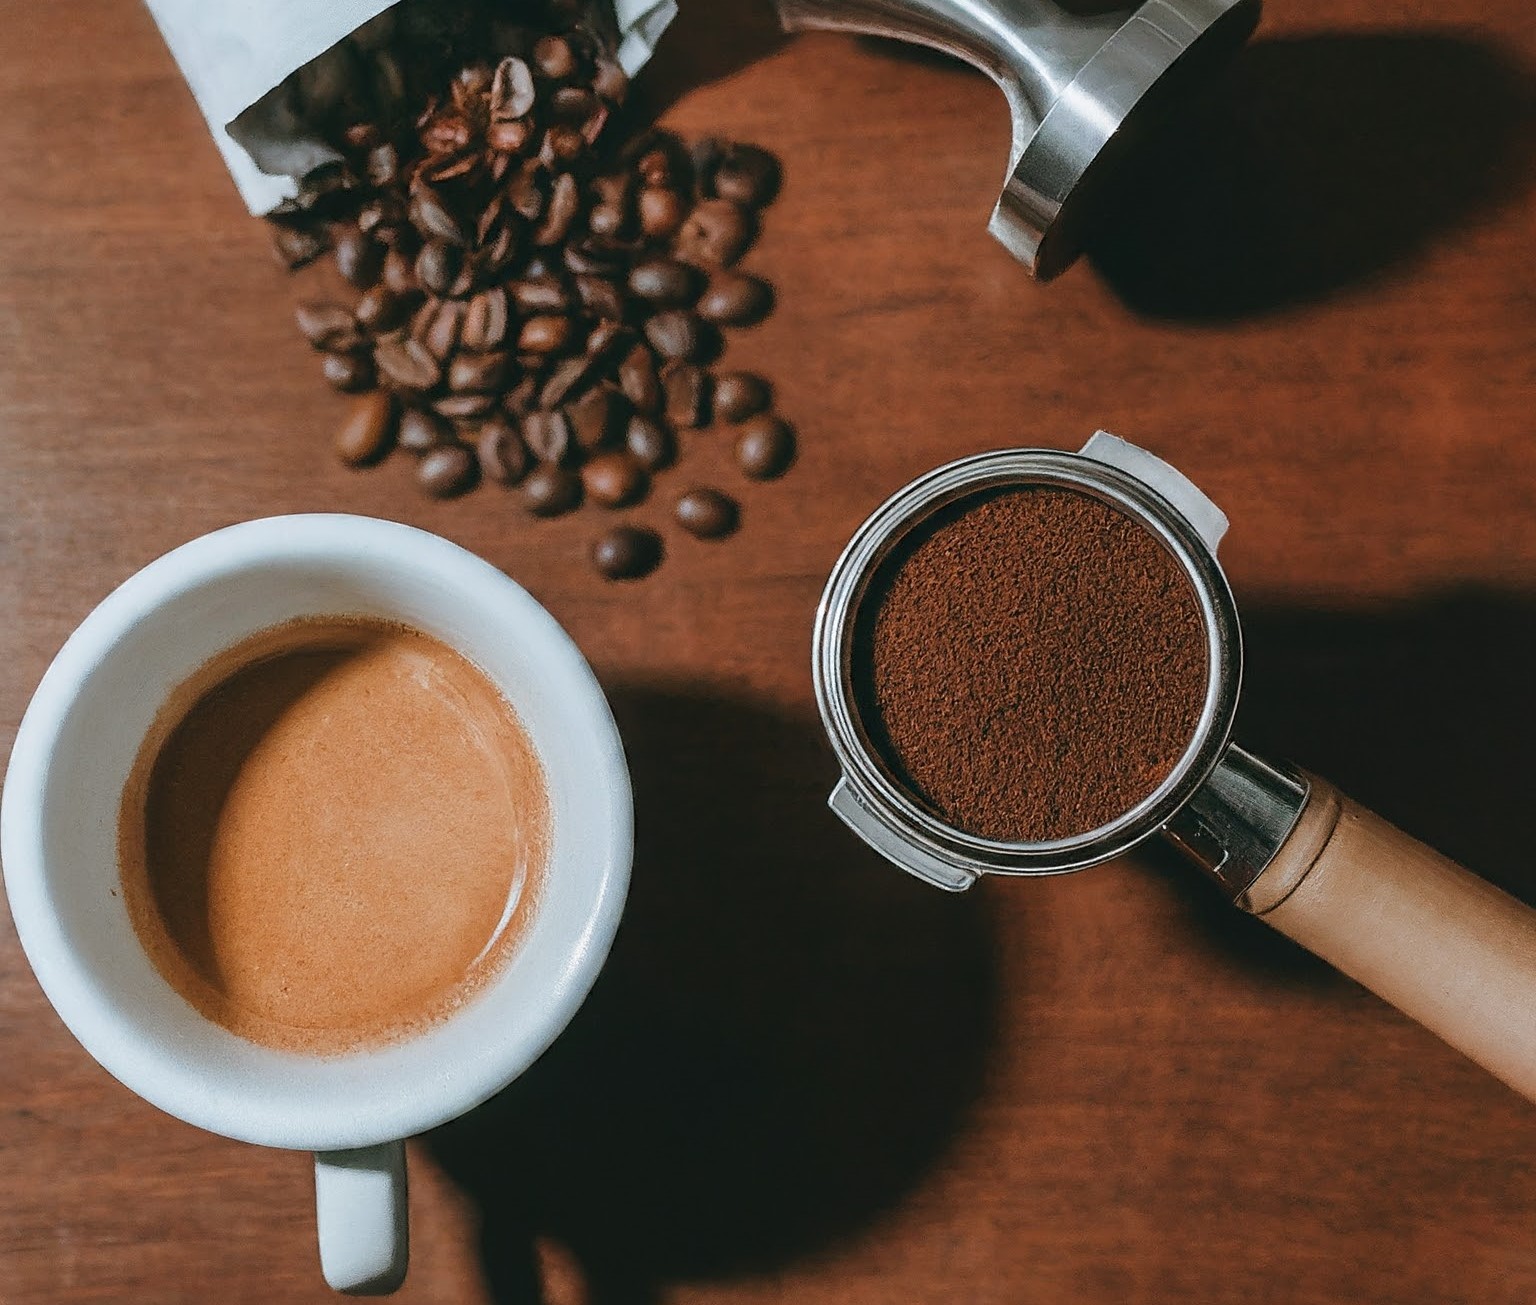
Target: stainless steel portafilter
[1445, 947]
[1081, 88]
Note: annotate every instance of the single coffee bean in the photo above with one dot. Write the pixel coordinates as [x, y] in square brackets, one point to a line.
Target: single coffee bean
[607, 220]
[707, 513]
[739, 395]
[434, 219]
[664, 281]
[627, 553]
[569, 378]
[422, 430]
[348, 372]
[610, 81]
[598, 417]
[438, 266]
[549, 490]
[553, 57]
[510, 137]
[407, 364]
[655, 167]
[765, 447]
[441, 329]
[512, 90]
[735, 299]
[525, 192]
[595, 255]
[486, 320]
[562, 145]
[522, 398]
[468, 406]
[573, 104]
[560, 212]
[326, 325]
[662, 211]
[359, 258]
[545, 335]
[614, 479]
[365, 434]
[535, 295]
[746, 175]
[607, 342]
[503, 456]
[399, 275]
[480, 373]
[383, 164]
[649, 442]
[381, 309]
[446, 471]
[548, 436]
[715, 234]
[676, 334]
[638, 379]
[297, 247]
[687, 395]
[600, 297]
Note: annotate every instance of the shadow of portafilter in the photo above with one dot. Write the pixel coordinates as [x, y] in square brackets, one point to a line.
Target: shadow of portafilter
[1312, 164]
[785, 1040]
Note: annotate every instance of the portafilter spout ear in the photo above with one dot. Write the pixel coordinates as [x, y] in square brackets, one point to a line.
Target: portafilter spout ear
[1082, 88]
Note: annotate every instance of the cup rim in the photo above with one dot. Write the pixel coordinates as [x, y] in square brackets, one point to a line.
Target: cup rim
[143, 1067]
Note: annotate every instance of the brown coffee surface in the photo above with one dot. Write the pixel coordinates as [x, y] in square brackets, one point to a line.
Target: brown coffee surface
[341, 840]
[1037, 664]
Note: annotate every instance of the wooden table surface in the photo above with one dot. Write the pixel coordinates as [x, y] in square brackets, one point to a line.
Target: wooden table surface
[806, 1077]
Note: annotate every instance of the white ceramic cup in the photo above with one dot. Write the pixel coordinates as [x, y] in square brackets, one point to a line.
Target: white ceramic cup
[58, 835]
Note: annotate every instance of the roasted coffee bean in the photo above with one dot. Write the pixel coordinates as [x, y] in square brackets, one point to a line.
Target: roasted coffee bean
[486, 320]
[510, 137]
[627, 553]
[522, 399]
[297, 247]
[677, 335]
[655, 167]
[480, 373]
[662, 211]
[739, 395]
[765, 447]
[381, 309]
[407, 364]
[562, 145]
[746, 175]
[686, 391]
[566, 380]
[383, 164]
[560, 212]
[348, 372]
[607, 220]
[735, 299]
[607, 341]
[573, 104]
[649, 442]
[359, 258]
[553, 57]
[548, 435]
[595, 255]
[705, 155]
[600, 297]
[439, 327]
[614, 479]
[434, 219]
[610, 81]
[512, 90]
[467, 406]
[369, 426]
[525, 192]
[438, 266]
[638, 379]
[537, 295]
[326, 325]
[549, 490]
[707, 513]
[598, 417]
[503, 456]
[446, 471]
[422, 430]
[715, 234]
[399, 276]
[664, 281]
[545, 335]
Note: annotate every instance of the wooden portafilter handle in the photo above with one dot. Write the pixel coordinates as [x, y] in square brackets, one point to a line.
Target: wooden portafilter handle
[1445, 947]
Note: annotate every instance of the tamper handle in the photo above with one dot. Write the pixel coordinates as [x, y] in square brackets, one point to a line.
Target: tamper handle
[1443, 946]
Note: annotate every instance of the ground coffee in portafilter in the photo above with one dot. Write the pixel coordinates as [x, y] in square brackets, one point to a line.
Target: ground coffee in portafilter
[1035, 664]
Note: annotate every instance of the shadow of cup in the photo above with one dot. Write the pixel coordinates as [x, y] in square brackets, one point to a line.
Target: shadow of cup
[785, 1041]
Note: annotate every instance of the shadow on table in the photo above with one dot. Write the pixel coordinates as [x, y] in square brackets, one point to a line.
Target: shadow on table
[707, 42]
[1314, 164]
[786, 1039]
[1422, 713]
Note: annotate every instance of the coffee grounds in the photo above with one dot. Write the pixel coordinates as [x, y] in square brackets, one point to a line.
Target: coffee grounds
[1037, 664]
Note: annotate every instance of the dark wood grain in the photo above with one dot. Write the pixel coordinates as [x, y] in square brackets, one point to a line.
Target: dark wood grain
[806, 1077]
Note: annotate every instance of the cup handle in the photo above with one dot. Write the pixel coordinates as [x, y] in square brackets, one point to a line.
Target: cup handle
[360, 1215]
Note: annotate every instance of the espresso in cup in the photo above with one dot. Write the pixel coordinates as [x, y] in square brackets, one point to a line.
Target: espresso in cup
[334, 836]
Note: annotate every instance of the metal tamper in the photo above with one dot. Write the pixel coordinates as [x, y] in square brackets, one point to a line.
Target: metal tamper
[1082, 87]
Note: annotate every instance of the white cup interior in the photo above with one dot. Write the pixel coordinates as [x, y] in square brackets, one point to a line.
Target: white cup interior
[79, 742]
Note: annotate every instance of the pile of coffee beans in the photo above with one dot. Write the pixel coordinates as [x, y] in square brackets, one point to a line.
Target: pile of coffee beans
[538, 297]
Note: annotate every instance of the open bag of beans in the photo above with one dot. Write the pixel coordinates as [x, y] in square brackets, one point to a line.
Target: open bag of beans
[531, 287]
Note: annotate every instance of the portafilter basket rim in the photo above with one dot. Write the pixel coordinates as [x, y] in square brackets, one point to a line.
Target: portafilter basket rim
[850, 584]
